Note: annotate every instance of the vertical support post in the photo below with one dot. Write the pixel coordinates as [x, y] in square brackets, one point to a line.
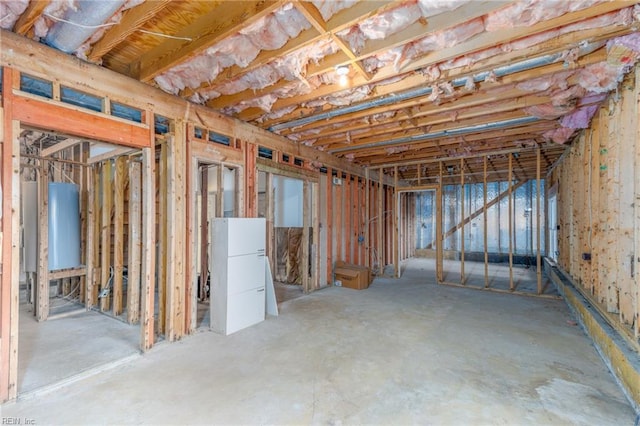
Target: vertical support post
[204, 233]
[97, 227]
[439, 240]
[367, 219]
[347, 219]
[162, 237]
[271, 208]
[91, 191]
[135, 198]
[485, 227]
[538, 254]
[42, 294]
[510, 189]
[338, 208]
[396, 231]
[10, 241]
[251, 193]
[356, 205]
[105, 245]
[306, 223]
[462, 196]
[118, 234]
[329, 226]
[315, 253]
[381, 193]
[147, 333]
[193, 231]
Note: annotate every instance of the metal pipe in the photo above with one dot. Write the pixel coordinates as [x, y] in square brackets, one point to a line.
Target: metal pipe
[525, 65]
[443, 133]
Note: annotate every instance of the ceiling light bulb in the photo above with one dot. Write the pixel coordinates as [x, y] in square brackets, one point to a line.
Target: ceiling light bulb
[342, 70]
[343, 80]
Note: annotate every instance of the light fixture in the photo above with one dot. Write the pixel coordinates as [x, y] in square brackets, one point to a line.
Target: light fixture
[342, 71]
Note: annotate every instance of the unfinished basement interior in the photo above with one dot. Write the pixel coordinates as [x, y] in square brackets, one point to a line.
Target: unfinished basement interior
[325, 211]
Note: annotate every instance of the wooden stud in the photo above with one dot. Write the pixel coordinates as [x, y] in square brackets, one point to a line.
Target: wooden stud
[120, 181]
[42, 294]
[381, 194]
[89, 230]
[147, 333]
[395, 212]
[484, 219]
[306, 223]
[271, 214]
[347, 218]
[105, 260]
[204, 232]
[9, 241]
[462, 196]
[162, 176]
[357, 206]
[97, 234]
[135, 242]
[338, 223]
[251, 190]
[329, 225]
[367, 220]
[439, 238]
[538, 220]
[510, 179]
[315, 252]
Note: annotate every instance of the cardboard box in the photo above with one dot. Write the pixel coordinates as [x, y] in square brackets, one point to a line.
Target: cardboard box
[352, 276]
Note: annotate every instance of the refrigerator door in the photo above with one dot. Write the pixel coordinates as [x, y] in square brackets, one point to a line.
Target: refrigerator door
[245, 273]
[245, 309]
[246, 235]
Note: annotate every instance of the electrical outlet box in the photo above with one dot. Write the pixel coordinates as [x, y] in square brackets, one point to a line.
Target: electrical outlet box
[337, 181]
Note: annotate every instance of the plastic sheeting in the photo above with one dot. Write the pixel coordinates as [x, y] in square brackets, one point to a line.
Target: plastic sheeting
[524, 219]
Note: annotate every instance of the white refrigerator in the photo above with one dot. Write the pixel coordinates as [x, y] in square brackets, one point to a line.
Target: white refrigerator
[237, 267]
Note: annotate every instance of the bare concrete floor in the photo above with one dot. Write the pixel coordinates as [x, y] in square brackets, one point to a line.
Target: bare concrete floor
[401, 352]
[70, 346]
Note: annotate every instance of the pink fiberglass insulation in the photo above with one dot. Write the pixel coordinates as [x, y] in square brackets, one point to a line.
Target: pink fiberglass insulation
[240, 49]
[396, 149]
[559, 135]
[294, 65]
[274, 115]
[429, 8]
[56, 8]
[600, 77]
[548, 111]
[10, 11]
[580, 118]
[328, 8]
[630, 41]
[267, 33]
[443, 39]
[562, 97]
[342, 98]
[592, 98]
[390, 22]
[553, 81]
[529, 12]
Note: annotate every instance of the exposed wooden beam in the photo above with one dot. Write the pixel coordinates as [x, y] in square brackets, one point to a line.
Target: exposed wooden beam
[25, 22]
[132, 20]
[59, 147]
[225, 20]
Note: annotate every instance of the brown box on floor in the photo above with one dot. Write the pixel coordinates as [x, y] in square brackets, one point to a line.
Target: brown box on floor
[352, 276]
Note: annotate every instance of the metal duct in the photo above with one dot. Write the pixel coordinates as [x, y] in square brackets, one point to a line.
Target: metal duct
[443, 133]
[82, 23]
[525, 65]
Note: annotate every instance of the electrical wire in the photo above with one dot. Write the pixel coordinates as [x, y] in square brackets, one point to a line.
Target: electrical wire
[110, 24]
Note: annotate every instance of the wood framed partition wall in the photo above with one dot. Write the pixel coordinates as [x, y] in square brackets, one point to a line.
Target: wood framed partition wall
[162, 160]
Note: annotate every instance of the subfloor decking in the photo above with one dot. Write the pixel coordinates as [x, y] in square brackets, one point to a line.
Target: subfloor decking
[401, 352]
